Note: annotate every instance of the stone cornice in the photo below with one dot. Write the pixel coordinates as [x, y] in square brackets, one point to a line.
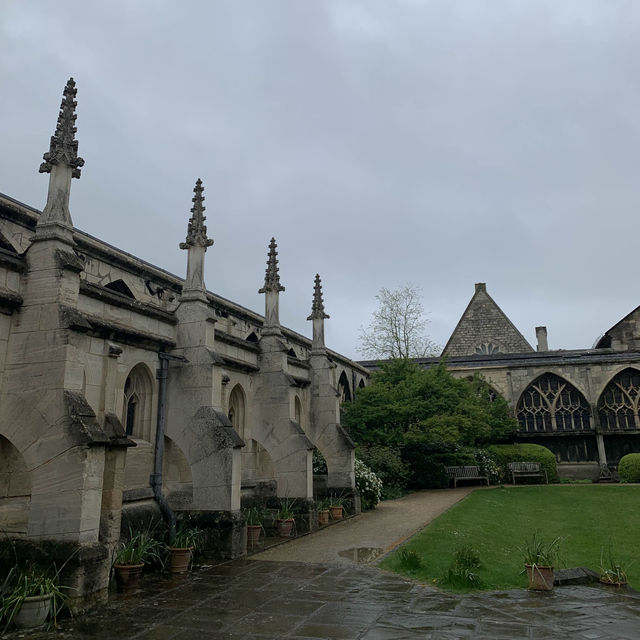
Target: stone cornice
[118, 300]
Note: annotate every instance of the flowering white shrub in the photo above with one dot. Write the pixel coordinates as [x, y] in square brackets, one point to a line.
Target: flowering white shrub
[368, 484]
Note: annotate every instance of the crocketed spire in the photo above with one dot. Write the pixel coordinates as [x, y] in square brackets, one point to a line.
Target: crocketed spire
[197, 230]
[64, 147]
[271, 276]
[317, 305]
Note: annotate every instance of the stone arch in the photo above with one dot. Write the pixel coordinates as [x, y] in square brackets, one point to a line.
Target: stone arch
[137, 410]
[491, 392]
[15, 490]
[344, 388]
[237, 410]
[552, 404]
[361, 384]
[619, 402]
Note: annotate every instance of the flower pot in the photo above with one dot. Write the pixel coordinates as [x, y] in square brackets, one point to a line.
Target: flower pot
[180, 558]
[33, 612]
[336, 512]
[285, 527]
[540, 577]
[127, 577]
[253, 534]
[323, 517]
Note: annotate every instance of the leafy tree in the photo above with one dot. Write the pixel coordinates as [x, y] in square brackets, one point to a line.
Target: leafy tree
[398, 327]
[407, 404]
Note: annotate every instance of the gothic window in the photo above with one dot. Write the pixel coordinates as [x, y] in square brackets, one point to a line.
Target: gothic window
[343, 386]
[618, 404]
[237, 410]
[487, 348]
[550, 403]
[138, 403]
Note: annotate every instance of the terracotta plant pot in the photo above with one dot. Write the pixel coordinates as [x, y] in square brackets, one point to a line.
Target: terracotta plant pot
[323, 517]
[127, 577]
[33, 612]
[540, 577]
[285, 527]
[336, 512]
[180, 559]
[253, 534]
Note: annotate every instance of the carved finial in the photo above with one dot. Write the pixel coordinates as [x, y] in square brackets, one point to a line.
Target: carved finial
[271, 276]
[64, 146]
[317, 306]
[197, 230]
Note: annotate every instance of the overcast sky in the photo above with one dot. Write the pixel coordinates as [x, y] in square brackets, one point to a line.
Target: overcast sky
[437, 142]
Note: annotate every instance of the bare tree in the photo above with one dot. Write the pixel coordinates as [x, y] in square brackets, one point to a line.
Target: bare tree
[398, 327]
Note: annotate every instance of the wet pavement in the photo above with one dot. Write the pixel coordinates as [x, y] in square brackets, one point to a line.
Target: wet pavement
[254, 599]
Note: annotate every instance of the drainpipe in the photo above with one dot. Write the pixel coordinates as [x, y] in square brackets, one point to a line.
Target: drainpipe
[156, 477]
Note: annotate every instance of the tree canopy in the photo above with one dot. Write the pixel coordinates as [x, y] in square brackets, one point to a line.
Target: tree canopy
[406, 404]
[398, 327]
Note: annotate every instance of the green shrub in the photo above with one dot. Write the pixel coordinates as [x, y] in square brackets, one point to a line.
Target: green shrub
[629, 468]
[505, 453]
[409, 560]
[427, 472]
[386, 463]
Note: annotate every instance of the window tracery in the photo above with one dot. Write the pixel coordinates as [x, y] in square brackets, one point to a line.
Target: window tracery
[618, 404]
[550, 403]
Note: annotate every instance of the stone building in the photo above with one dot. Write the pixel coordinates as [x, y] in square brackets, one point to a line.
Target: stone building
[582, 404]
[125, 387]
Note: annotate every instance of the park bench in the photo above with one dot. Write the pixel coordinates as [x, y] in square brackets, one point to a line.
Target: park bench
[465, 473]
[527, 470]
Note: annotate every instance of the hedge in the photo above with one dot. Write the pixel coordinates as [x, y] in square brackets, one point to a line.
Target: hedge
[629, 468]
[505, 453]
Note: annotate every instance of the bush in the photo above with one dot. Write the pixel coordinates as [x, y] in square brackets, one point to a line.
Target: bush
[387, 464]
[629, 468]
[427, 471]
[505, 453]
[368, 484]
[462, 573]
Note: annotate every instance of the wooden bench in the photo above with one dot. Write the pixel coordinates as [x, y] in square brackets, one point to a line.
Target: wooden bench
[527, 470]
[465, 473]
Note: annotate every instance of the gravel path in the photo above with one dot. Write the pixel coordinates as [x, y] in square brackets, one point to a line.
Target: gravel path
[380, 530]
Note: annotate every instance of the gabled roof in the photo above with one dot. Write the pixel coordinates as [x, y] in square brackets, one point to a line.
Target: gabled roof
[484, 329]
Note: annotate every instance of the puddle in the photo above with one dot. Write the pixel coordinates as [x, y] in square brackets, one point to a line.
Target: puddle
[361, 555]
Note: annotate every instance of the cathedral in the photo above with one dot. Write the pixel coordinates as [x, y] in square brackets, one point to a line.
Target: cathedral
[128, 391]
[582, 404]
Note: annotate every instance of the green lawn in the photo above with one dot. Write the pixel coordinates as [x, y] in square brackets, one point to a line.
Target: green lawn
[497, 521]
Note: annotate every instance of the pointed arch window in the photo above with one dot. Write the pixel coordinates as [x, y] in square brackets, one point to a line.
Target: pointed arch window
[618, 404]
[236, 411]
[120, 286]
[551, 404]
[138, 403]
[343, 386]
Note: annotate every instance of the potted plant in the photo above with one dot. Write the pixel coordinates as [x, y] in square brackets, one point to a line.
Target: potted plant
[182, 547]
[29, 595]
[539, 560]
[130, 558]
[336, 506]
[612, 572]
[285, 518]
[323, 512]
[255, 518]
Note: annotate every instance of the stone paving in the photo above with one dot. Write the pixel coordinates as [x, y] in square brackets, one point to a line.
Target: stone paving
[251, 599]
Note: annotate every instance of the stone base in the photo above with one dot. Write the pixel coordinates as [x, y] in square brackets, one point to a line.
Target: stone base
[225, 533]
[578, 470]
[83, 568]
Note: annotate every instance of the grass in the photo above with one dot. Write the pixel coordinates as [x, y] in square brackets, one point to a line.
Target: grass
[497, 524]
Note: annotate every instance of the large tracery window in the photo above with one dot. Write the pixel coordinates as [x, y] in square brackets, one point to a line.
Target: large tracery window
[550, 403]
[618, 404]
